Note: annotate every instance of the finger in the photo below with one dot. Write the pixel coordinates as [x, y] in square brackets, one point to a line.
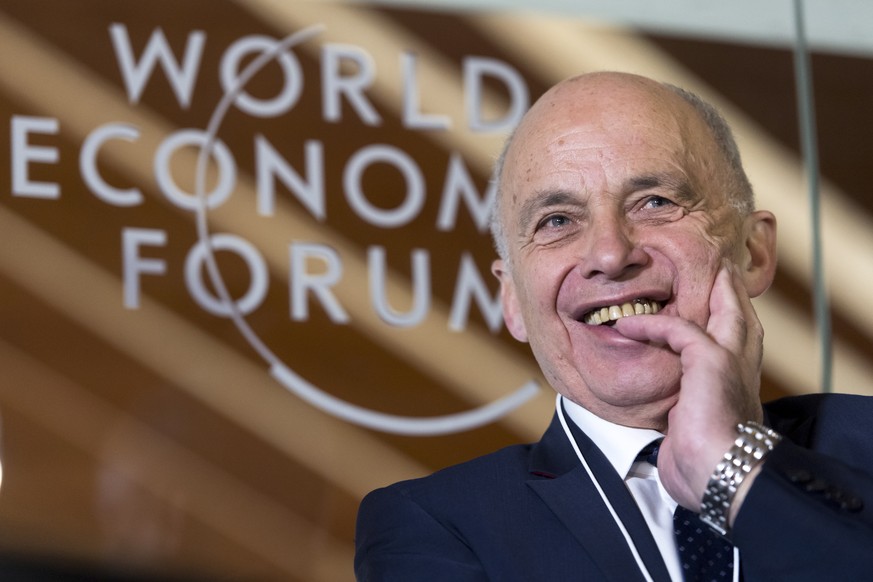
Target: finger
[727, 324]
[748, 335]
[750, 316]
[753, 352]
[676, 332]
[733, 308]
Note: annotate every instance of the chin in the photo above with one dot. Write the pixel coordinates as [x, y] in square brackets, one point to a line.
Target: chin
[644, 390]
[656, 374]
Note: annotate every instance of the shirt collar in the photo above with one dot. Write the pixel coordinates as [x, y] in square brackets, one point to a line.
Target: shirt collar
[620, 444]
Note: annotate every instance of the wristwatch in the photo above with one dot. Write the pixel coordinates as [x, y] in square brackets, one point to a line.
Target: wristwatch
[752, 445]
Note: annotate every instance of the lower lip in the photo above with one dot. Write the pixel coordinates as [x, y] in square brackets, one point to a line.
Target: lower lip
[601, 329]
[608, 334]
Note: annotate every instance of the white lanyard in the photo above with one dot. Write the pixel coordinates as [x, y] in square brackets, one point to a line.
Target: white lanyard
[618, 522]
[633, 548]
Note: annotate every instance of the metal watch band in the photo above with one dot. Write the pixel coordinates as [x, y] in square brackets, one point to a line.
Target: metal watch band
[753, 443]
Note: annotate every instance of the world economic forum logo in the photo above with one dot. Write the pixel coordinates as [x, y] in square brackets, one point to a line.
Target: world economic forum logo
[214, 156]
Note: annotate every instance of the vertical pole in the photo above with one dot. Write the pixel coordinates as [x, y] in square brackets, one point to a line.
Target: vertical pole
[806, 107]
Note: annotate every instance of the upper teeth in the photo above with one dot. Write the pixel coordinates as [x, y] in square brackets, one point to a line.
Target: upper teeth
[614, 312]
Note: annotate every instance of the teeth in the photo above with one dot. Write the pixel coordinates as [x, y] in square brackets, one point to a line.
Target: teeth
[614, 312]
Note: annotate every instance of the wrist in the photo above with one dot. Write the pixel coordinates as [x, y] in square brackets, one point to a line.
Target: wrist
[733, 474]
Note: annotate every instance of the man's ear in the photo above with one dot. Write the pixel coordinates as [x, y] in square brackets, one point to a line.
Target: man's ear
[509, 298]
[758, 266]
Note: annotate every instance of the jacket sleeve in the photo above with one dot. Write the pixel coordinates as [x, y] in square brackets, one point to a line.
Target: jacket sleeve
[807, 516]
[398, 540]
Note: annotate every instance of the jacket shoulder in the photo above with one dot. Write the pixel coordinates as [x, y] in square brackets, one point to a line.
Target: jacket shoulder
[470, 479]
[825, 422]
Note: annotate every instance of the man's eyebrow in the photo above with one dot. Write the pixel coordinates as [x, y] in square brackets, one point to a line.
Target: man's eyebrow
[546, 199]
[672, 182]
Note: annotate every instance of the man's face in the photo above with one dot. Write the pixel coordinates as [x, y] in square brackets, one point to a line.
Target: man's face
[614, 198]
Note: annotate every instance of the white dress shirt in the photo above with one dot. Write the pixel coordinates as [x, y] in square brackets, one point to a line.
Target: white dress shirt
[621, 445]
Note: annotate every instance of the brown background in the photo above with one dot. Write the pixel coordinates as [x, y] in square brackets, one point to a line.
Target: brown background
[154, 439]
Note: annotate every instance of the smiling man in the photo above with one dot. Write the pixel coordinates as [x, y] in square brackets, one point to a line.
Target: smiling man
[629, 250]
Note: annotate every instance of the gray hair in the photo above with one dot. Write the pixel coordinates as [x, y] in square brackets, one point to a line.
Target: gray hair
[498, 236]
[741, 194]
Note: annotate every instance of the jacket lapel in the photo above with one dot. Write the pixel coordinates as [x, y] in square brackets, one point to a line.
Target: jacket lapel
[564, 485]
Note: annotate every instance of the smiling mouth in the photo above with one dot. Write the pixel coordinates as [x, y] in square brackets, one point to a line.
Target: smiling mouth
[608, 314]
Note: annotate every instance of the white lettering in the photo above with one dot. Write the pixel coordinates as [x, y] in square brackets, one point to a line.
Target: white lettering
[200, 253]
[459, 185]
[302, 281]
[415, 189]
[412, 117]
[474, 69]
[133, 265]
[220, 153]
[334, 84]
[420, 288]
[230, 81]
[269, 165]
[23, 154]
[468, 286]
[88, 164]
[136, 74]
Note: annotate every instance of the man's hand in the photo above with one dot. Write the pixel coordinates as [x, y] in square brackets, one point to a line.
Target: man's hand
[721, 376]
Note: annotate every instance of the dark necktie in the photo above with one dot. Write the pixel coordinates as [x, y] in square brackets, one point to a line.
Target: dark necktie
[705, 555]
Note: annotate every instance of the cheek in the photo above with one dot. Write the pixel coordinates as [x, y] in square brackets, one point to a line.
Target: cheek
[696, 270]
[539, 297]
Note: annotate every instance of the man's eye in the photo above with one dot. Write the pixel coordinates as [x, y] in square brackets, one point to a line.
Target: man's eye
[657, 202]
[555, 221]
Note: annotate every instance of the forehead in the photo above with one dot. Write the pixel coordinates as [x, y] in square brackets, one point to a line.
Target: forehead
[578, 137]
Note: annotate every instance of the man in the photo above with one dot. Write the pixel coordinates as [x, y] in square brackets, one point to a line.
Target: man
[629, 250]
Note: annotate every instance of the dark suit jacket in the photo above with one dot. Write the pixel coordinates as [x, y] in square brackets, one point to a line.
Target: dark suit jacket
[530, 512]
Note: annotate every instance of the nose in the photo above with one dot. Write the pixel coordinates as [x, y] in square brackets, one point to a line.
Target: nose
[611, 250]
